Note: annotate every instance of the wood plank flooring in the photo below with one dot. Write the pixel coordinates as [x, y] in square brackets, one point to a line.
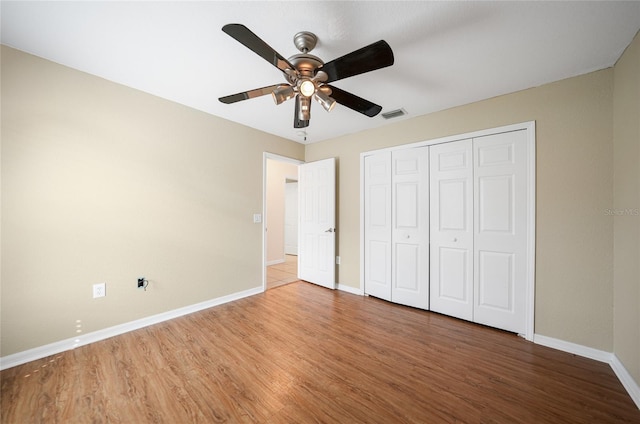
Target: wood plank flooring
[304, 354]
[283, 273]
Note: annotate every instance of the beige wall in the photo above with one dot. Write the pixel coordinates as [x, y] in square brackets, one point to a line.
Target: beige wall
[102, 183]
[574, 283]
[626, 209]
[277, 174]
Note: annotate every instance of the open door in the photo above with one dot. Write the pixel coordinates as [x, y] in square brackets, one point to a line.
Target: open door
[317, 230]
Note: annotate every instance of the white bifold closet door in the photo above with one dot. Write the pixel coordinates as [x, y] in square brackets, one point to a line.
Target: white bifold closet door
[500, 226]
[479, 230]
[377, 223]
[410, 227]
[451, 204]
[396, 214]
[447, 227]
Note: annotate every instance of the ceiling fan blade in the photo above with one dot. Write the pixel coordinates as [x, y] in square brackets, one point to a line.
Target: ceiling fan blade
[374, 56]
[244, 35]
[246, 95]
[354, 102]
[297, 122]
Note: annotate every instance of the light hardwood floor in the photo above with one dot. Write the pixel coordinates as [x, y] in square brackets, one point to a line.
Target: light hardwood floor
[283, 273]
[304, 354]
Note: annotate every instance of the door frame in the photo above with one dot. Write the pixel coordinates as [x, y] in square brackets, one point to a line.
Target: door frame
[278, 158]
[530, 128]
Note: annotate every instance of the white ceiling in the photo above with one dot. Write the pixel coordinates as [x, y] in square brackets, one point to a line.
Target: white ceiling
[447, 53]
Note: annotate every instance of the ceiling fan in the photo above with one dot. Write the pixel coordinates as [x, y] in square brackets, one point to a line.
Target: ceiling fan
[308, 76]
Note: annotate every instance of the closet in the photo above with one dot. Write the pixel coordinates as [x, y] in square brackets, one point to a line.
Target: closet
[448, 226]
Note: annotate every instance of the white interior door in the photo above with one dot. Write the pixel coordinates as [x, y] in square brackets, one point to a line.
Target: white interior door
[317, 198]
[451, 215]
[291, 218]
[410, 227]
[500, 222]
[377, 225]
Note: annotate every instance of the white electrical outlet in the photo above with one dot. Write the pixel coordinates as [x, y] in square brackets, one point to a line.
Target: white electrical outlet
[99, 290]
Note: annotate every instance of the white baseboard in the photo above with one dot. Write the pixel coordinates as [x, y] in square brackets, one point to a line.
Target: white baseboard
[68, 344]
[275, 262]
[576, 349]
[625, 378]
[352, 290]
[630, 385]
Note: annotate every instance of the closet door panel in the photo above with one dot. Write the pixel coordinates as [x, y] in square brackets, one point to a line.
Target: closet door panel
[407, 266]
[453, 280]
[377, 240]
[496, 280]
[410, 227]
[451, 229]
[500, 230]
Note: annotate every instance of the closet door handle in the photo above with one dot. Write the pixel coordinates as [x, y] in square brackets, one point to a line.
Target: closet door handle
[330, 230]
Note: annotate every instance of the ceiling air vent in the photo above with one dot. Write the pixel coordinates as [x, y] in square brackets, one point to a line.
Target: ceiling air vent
[394, 113]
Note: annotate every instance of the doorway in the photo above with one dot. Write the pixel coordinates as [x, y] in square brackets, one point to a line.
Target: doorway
[280, 221]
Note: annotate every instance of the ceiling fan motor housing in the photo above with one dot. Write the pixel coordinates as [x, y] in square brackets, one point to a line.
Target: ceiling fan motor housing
[305, 64]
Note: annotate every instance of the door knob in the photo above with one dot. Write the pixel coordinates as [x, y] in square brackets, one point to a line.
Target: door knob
[330, 230]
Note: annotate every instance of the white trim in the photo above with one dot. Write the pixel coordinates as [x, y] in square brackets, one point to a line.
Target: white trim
[627, 381]
[625, 378]
[85, 339]
[362, 229]
[275, 262]
[576, 349]
[531, 231]
[530, 127]
[352, 290]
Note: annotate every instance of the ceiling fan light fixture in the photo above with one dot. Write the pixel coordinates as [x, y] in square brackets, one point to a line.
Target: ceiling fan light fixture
[304, 108]
[307, 88]
[328, 103]
[325, 89]
[282, 93]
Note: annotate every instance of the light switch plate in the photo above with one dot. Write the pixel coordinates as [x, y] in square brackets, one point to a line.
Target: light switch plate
[99, 290]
